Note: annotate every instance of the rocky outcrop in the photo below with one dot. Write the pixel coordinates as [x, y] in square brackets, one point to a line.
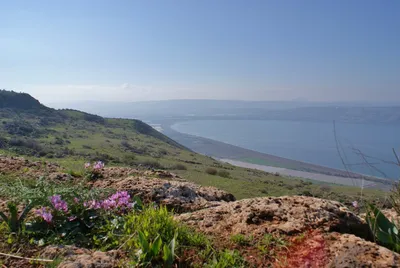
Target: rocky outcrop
[351, 251]
[320, 233]
[73, 257]
[286, 215]
[182, 196]
[23, 167]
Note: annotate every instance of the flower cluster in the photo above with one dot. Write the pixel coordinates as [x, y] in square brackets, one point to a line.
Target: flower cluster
[94, 171]
[119, 200]
[96, 166]
[45, 213]
[58, 203]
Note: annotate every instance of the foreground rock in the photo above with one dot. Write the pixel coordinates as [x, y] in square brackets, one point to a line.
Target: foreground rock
[324, 227]
[180, 195]
[286, 215]
[351, 251]
[73, 257]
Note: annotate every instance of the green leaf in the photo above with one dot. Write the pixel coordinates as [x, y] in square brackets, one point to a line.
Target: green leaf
[139, 203]
[143, 242]
[384, 230]
[13, 219]
[167, 255]
[24, 214]
[156, 246]
[4, 217]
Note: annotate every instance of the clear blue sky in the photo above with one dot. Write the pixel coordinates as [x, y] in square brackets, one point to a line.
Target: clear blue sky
[224, 49]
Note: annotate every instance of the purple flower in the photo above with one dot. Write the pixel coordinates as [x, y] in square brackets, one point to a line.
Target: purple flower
[87, 165]
[45, 214]
[355, 204]
[119, 200]
[98, 165]
[76, 200]
[72, 218]
[58, 203]
[93, 204]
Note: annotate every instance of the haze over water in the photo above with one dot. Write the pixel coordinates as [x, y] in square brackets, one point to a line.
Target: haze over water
[312, 142]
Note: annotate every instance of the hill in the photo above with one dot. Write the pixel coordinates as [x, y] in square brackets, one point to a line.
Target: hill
[142, 208]
[71, 138]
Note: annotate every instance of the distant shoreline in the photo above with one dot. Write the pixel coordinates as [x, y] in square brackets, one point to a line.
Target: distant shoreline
[241, 157]
[362, 183]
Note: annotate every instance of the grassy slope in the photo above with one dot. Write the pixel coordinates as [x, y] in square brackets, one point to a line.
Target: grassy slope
[72, 138]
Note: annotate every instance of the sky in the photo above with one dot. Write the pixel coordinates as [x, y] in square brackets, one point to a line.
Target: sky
[62, 51]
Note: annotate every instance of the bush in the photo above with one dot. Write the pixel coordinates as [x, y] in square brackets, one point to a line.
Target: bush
[224, 173]
[211, 171]
[179, 167]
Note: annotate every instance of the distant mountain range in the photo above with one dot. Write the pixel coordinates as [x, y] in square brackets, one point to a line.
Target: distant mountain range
[262, 110]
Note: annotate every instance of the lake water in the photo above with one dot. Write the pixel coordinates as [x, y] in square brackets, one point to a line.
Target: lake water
[312, 142]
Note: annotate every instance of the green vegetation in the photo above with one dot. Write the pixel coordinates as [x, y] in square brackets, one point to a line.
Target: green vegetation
[211, 171]
[227, 258]
[385, 231]
[241, 239]
[71, 138]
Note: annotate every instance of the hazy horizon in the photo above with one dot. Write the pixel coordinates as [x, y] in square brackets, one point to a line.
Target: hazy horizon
[255, 50]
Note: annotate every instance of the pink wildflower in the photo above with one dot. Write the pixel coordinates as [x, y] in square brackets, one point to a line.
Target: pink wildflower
[58, 203]
[93, 204]
[72, 218]
[87, 165]
[98, 165]
[45, 214]
[355, 204]
[76, 200]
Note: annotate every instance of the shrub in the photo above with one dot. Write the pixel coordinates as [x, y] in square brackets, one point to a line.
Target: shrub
[211, 171]
[179, 167]
[224, 173]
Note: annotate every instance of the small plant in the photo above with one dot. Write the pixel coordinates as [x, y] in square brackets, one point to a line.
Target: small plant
[14, 222]
[94, 172]
[227, 259]
[241, 240]
[224, 174]
[155, 252]
[179, 167]
[211, 171]
[384, 231]
[270, 243]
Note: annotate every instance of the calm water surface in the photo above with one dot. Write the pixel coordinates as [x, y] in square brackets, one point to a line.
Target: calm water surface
[312, 142]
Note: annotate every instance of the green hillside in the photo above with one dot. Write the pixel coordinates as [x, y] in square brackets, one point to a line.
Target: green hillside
[71, 138]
